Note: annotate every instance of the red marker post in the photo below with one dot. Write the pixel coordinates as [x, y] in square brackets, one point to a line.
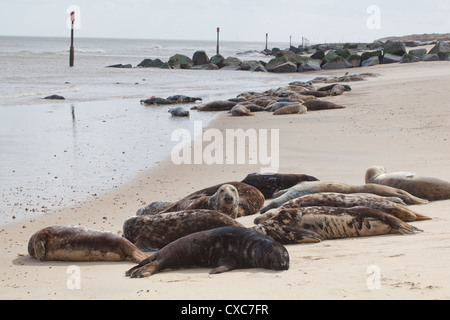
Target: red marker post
[218, 32]
[72, 51]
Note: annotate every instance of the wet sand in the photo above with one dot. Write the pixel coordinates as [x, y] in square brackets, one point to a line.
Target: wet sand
[399, 120]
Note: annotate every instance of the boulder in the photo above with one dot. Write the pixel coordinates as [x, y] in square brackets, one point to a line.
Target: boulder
[231, 61]
[149, 63]
[418, 52]
[331, 55]
[350, 46]
[252, 65]
[345, 53]
[309, 65]
[180, 61]
[319, 55]
[336, 63]
[207, 66]
[166, 65]
[397, 48]
[390, 58]
[429, 57]
[369, 54]
[442, 49]
[282, 68]
[409, 58]
[354, 60]
[372, 61]
[218, 60]
[200, 58]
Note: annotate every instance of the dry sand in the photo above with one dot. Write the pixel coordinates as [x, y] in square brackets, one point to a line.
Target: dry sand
[400, 120]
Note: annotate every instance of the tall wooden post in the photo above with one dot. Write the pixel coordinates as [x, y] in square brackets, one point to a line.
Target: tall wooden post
[267, 40]
[218, 32]
[72, 51]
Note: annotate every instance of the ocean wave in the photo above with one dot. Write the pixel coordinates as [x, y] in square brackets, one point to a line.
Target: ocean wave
[39, 92]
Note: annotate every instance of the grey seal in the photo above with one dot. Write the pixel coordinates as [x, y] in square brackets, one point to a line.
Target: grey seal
[429, 188]
[78, 244]
[223, 249]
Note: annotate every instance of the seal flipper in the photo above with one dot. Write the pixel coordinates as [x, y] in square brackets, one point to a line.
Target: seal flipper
[306, 236]
[224, 265]
[144, 271]
[140, 270]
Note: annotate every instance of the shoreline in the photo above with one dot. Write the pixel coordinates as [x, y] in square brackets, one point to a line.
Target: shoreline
[386, 122]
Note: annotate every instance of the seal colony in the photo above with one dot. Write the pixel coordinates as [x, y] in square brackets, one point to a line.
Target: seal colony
[204, 232]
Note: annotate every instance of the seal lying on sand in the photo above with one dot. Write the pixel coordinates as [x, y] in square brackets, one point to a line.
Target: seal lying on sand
[305, 188]
[216, 106]
[315, 105]
[268, 184]
[150, 233]
[429, 188]
[314, 224]
[351, 200]
[251, 200]
[66, 243]
[223, 249]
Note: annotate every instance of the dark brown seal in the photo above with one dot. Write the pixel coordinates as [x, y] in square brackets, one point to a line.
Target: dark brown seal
[314, 224]
[223, 249]
[251, 200]
[155, 232]
[429, 188]
[67, 243]
[268, 184]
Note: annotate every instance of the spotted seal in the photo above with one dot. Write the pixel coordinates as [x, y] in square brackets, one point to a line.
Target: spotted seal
[429, 188]
[305, 188]
[150, 233]
[268, 184]
[78, 244]
[224, 249]
[385, 204]
[315, 224]
[251, 200]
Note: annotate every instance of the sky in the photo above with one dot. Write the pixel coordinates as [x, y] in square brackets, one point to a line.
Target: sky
[240, 20]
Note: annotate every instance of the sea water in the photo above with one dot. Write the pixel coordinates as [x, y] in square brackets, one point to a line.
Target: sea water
[55, 154]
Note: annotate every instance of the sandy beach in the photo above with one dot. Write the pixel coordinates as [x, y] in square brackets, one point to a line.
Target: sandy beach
[399, 120]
